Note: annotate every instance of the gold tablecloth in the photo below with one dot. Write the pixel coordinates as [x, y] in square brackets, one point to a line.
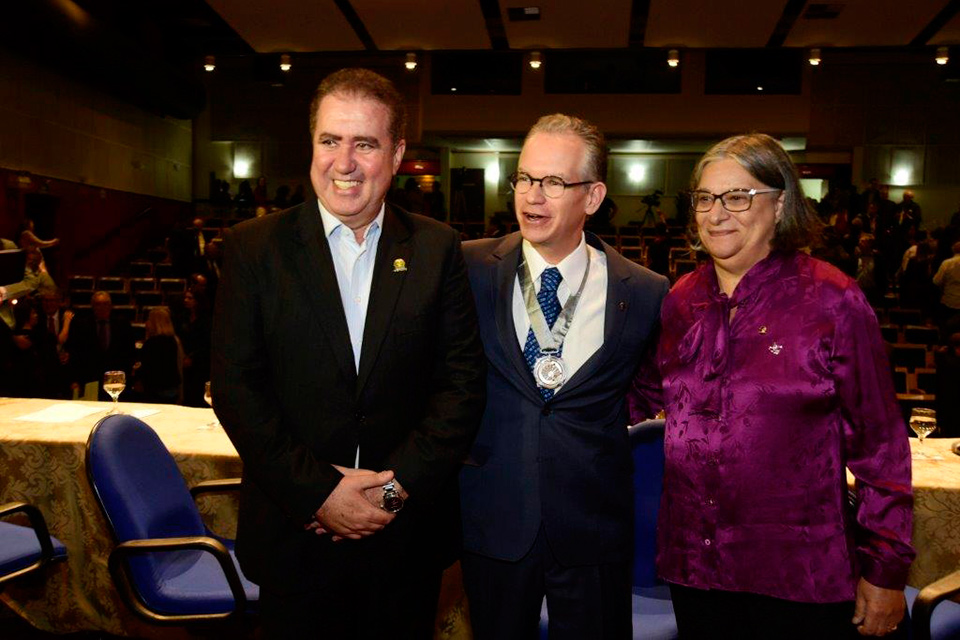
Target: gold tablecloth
[43, 463]
[936, 511]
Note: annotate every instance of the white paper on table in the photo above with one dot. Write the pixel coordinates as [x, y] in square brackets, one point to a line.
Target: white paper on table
[143, 413]
[62, 412]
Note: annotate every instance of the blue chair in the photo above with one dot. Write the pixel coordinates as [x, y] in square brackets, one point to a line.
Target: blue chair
[168, 567]
[653, 617]
[23, 549]
[933, 617]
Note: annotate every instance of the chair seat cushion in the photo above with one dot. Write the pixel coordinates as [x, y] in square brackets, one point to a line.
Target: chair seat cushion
[945, 621]
[19, 547]
[192, 582]
[653, 617]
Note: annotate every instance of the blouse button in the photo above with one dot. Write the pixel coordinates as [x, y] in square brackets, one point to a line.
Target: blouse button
[707, 542]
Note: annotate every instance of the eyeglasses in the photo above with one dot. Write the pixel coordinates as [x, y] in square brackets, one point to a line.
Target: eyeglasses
[552, 186]
[734, 201]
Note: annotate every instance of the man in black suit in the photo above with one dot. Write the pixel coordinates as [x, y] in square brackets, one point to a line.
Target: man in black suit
[348, 372]
[99, 342]
[546, 493]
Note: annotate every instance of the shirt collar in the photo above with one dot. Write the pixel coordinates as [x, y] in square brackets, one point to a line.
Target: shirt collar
[571, 267]
[331, 222]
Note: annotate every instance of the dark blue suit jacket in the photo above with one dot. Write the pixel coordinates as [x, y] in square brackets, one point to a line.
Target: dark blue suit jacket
[565, 463]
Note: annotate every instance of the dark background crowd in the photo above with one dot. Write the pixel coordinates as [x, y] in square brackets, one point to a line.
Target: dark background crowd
[152, 318]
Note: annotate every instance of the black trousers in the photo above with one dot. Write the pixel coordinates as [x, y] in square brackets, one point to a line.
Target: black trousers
[583, 602]
[375, 591]
[718, 615]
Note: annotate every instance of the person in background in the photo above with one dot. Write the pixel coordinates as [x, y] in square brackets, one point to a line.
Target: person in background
[775, 380]
[193, 329]
[159, 371]
[948, 279]
[99, 342]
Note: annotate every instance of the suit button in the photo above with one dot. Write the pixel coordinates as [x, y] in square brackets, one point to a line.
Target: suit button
[360, 417]
[546, 411]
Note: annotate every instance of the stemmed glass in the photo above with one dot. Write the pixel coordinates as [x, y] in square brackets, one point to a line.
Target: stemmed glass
[114, 382]
[209, 400]
[923, 422]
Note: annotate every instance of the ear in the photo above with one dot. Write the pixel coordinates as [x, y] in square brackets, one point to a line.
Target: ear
[398, 155]
[597, 192]
[778, 207]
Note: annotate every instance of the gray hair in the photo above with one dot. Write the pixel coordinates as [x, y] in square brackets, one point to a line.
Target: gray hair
[596, 160]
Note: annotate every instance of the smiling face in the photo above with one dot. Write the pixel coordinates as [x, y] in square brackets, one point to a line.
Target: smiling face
[554, 225]
[354, 158]
[737, 241]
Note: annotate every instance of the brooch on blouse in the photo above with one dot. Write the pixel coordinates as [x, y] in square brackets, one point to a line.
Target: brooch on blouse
[762, 330]
[775, 348]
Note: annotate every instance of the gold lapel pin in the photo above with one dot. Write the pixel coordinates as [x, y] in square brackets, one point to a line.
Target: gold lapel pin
[399, 265]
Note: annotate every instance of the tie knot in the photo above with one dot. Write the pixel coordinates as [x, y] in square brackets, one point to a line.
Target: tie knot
[550, 280]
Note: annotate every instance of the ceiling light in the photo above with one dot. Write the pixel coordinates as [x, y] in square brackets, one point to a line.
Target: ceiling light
[673, 58]
[209, 63]
[411, 62]
[759, 88]
[535, 61]
[285, 62]
[814, 57]
[943, 55]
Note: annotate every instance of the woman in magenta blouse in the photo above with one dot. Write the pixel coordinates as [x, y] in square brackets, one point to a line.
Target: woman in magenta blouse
[775, 380]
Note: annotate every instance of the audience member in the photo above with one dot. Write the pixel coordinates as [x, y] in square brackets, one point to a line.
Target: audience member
[297, 197]
[434, 204]
[281, 201]
[101, 341]
[948, 279]
[947, 361]
[658, 250]
[193, 328]
[159, 372]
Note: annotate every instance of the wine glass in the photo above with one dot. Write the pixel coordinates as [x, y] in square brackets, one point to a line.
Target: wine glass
[209, 400]
[114, 382]
[923, 422]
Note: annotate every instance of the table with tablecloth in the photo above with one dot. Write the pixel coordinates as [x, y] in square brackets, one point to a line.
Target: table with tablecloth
[936, 511]
[43, 463]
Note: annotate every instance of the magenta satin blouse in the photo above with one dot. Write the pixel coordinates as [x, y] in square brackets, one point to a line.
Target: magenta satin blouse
[763, 413]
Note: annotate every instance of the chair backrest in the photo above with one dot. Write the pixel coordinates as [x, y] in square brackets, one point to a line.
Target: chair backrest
[139, 486]
[646, 441]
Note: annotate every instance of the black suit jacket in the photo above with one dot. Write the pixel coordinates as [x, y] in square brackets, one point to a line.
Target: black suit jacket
[564, 464]
[288, 394]
[87, 360]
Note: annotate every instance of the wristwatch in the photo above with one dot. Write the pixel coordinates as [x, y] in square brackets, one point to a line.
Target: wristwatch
[392, 500]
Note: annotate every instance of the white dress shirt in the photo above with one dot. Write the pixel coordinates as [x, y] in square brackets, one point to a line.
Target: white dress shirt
[353, 263]
[586, 331]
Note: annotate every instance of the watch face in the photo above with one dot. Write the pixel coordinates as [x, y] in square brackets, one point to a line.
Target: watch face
[392, 502]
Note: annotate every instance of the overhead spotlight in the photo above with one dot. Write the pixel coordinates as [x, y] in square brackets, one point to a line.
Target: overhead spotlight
[411, 62]
[209, 63]
[535, 60]
[759, 88]
[814, 57]
[285, 62]
[673, 58]
[943, 55]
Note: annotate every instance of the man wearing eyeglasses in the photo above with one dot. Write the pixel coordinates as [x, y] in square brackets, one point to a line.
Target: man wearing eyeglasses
[564, 319]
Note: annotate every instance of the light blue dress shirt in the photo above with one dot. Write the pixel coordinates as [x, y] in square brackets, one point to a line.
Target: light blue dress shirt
[353, 263]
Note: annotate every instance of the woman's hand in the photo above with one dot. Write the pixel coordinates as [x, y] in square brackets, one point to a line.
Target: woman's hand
[878, 611]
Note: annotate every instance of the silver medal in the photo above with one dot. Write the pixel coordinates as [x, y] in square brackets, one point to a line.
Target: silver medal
[549, 371]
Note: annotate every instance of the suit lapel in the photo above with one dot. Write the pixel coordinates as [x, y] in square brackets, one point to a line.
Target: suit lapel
[314, 268]
[507, 254]
[385, 289]
[614, 316]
